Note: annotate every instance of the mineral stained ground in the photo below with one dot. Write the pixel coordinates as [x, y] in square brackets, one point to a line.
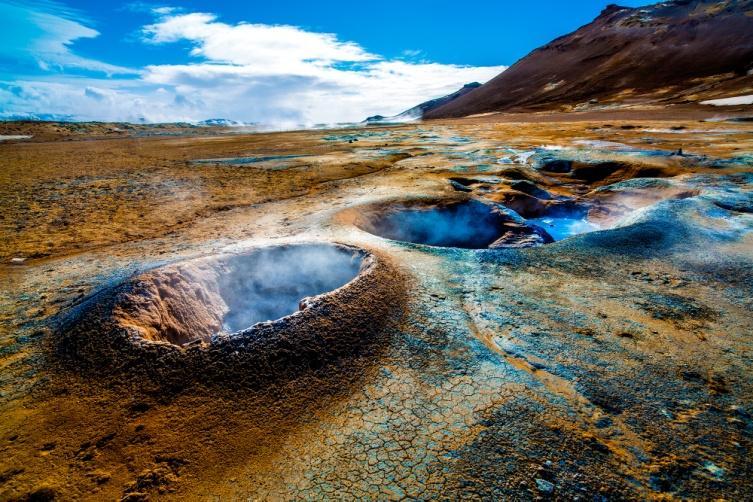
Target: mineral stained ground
[611, 364]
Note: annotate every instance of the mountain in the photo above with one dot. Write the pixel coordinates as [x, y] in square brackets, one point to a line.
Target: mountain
[671, 52]
[418, 111]
[219, 123]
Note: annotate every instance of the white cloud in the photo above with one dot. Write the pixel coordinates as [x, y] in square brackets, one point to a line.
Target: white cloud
[270, 73]
[279, 49]
[44, 32]
[273, 74]
[92, 99]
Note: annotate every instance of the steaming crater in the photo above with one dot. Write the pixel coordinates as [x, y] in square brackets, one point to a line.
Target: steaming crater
[196, 300]
[561, 218]
[562, 227]
[267, 313]
[463, 223]
[272, 283]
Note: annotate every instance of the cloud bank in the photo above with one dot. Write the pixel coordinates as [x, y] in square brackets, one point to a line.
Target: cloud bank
[277, 75]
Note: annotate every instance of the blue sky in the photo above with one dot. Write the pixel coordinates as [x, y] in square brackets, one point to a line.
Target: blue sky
[284, 62]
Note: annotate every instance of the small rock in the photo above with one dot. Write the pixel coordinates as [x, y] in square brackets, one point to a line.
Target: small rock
[101, 477]
[603, 422]
[714, 469]
[41, 495]
[544, 486]
[101, 442]
[17, 260]
[459, 186]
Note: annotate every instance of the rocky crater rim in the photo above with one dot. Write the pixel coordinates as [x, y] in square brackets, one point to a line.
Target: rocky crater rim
[260, 317]
[192, 302]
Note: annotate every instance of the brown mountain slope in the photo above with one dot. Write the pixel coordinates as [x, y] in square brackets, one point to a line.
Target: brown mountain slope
[422, 109]
[677, 51]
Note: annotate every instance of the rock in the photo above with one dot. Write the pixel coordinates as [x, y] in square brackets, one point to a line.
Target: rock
[557, 166]
[530, 188]
[522, 203]
[522, 236]
[716, 471]
[544, 486]
[459, 186]
[41, 495]
[17, 260]
[101, 477]
[306, 302]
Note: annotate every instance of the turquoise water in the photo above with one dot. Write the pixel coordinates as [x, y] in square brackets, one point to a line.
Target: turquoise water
[562, 228]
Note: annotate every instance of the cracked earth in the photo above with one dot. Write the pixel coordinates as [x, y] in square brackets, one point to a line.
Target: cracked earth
[609, 361]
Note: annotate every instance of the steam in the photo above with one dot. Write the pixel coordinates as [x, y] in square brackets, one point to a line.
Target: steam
[270, 283]
[10, 137]
[562, 227]
[619, 200]
[470, 225]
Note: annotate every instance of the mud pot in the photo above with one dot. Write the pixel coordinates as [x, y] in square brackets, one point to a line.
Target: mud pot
[269, 313]
[468, 224]
[493, 308]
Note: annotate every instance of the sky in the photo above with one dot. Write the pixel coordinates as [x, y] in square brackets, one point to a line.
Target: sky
[282, 64]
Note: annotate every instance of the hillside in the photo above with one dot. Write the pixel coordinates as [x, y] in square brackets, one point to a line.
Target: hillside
[673, 52]
[422, 109]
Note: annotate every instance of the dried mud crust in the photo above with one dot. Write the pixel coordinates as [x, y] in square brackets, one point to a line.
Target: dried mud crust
[100, 335]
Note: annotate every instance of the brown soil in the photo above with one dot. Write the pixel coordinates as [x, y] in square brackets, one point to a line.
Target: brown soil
[612, 366]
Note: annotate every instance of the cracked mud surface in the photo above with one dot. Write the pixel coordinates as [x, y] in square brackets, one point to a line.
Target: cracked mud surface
[613, 363]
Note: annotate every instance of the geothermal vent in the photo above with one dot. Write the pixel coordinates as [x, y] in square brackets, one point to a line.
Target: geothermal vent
[469, 224]
[197, 300]
[268, 312]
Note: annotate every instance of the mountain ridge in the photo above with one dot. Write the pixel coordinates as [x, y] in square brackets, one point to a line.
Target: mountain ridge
[672, 52]
[418, 111]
